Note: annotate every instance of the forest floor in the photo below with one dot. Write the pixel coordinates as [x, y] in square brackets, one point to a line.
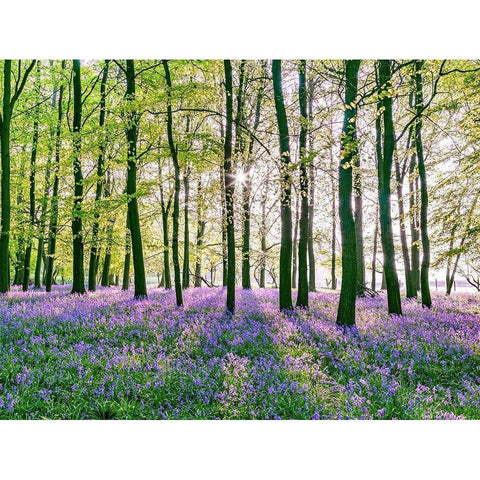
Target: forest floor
[105, 356]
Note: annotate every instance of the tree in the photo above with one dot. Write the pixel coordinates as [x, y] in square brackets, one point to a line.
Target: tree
[229, 180]
[176, 194]
[78, 283]
[94, 255]
[385, 151]
[302, 296]
[425, 266]
[348, 153]
[33, 158]
[285, 291]
[53, 227]
[131, 131]
[8, 104]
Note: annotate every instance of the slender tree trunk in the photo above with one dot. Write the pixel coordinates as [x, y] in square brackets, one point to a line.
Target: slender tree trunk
[246, 191]
[295, 243]
[108, 249]
[53, 227]
[33, 159]
[133, 216]
[229, 189]
[333, 266]
[413, 213]
[224, 229]
[374, 257]
[186, 239]
[311, 198]
[128, 253]
[302, 296]
[411, 292]
[424, 280]
[263, 238]
[78, 285]
[285, 293]
[94, 254]
[8, 104]
[44, 203]
[385, 161]
[166, 247]
[358, 218]
[5, 178]
[200, 232]
[176, 196]
[348, 153]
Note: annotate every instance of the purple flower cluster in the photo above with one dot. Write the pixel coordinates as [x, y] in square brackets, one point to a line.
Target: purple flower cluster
[104, 355]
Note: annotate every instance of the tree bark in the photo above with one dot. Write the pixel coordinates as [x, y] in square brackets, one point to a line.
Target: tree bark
[358, 218]
[133, 216]
[413, 213]
[385, 161]
[186, 233]
[425, 266]
[229, 190]
[374, 256]
[94, 254]
[33, 159]
[8, 104]
[176, 196]
[311, 199]
[333, 265]
[78, 285]
[411, 292]
[200, 232]
[348, 153]
[166, 247]
[128, 253]
[302, 295]
[44, 203]
[53, 227]
[285, 292]
[295, 243]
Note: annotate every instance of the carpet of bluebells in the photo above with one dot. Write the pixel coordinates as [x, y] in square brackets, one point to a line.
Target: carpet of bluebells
[105, 356]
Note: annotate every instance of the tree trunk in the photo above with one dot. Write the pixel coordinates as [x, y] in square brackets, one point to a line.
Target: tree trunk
[348, 153]
[52, 233]
[128, 253]
[200, 232]
[94, 255]
[176, 196]
[311, 199]
[374, 256]
[33, 159]
[302, 295]
[424, 280]
[44, 204]
[133, 216]
[358, 218]
[246, 191]
[5, 179]
[295, 243]
[108, 249]
[285, 293]
[334, 229]
[410, 288]
[385, 161]
[413, 213]
[229, 179]
[166, 246]
[186, 239]
[78, 285]
[263, 238]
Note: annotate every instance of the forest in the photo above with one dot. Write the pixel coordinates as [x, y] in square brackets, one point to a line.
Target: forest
[240, 239]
